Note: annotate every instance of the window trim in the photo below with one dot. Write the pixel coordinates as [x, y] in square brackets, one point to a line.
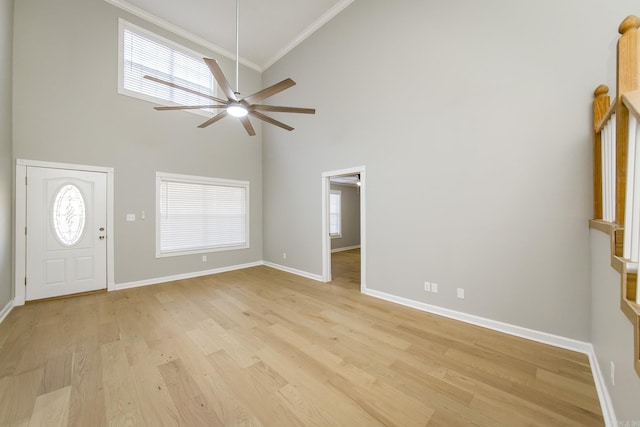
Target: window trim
[164, 176]
[337, 235]
[126, 25]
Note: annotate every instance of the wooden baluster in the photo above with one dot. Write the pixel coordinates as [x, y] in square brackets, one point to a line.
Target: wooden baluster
[627, 79]
[601, 104]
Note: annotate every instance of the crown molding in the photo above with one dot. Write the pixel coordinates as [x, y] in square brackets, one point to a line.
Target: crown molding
[339, 7]
[127, 7]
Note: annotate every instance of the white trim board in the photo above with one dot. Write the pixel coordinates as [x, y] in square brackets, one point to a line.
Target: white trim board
[127, 7]
[518, 331]
[608, 412]
[157, 280]
[140, 13]
[297, 272]
[339, 7]
[6, 310]
[326, 238]
[542, 337]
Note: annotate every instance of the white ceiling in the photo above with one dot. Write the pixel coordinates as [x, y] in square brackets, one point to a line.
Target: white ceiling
[268, 28]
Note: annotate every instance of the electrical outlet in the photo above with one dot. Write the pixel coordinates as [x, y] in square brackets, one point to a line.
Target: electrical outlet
[434, 288]
[131, 217]
[460, 293]
[613, 373]
[427, 287]
[284, 255]
[204, 258]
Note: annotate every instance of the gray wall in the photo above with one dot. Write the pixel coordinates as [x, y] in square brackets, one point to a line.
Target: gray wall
[611, 331]
[6, 174]
[489, 156]
[495, 142]
[67, 109]
[350, 207]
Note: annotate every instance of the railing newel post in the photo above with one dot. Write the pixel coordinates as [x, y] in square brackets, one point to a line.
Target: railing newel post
[601, 103]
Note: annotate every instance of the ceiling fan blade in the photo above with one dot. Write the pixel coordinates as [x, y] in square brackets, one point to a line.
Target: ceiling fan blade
[268, 119]
[214, 119]
[270, 91]
[188, 107]
[220, 78]
[247, 125]
[276, 108]
[186, 89]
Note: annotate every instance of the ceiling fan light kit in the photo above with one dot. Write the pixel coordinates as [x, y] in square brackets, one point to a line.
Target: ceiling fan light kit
[237, 110]
[234, 105]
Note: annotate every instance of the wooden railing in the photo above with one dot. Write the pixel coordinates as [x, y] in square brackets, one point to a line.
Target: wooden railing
[605, 133]
[631, 247]
[616, 171]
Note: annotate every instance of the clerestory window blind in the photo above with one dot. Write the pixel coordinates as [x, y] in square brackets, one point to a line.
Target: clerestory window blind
[144, 53]
[335, 214]
[199, 214]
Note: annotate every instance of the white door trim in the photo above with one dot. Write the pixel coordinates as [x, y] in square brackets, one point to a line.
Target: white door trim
[21, 221]
[326, 239]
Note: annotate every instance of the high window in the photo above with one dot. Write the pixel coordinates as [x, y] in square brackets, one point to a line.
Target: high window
[200, 214]
[144, 53]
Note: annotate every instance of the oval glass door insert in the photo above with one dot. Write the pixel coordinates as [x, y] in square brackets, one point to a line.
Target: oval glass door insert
[69, 215]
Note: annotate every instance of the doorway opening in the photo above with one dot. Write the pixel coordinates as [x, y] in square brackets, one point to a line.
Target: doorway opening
[344, 225]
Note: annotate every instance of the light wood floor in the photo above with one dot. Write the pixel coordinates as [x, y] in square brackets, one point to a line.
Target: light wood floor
[263, 347]
[345, 269]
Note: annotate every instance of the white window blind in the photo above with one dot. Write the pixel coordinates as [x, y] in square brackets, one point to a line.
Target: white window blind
[197, 214]
[144, 53]
[335, 215]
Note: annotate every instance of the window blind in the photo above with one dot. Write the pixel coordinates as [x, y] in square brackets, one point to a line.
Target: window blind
[143, 54]
[201, 216]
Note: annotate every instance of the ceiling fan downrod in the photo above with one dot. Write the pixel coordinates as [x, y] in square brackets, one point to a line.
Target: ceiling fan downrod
[235, 105]
[237, 91]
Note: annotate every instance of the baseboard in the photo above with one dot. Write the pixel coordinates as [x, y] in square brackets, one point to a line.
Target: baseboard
[346, 248]
[147, 282]
[311, 276]
[6, 310]
[531, 334]
[606, 404]
[542, 337]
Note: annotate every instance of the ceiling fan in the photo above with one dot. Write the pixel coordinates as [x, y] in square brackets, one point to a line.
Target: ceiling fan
[234, 105]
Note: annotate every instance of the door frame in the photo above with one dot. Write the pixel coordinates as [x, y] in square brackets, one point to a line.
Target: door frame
[20, 265]
[326, 239]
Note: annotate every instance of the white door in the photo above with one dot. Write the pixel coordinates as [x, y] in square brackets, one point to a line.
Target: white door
[66, 232]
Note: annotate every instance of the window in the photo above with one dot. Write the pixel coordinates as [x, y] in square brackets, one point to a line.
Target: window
[144, 53]
[69, 215]
[335, 214]
[199, 214]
